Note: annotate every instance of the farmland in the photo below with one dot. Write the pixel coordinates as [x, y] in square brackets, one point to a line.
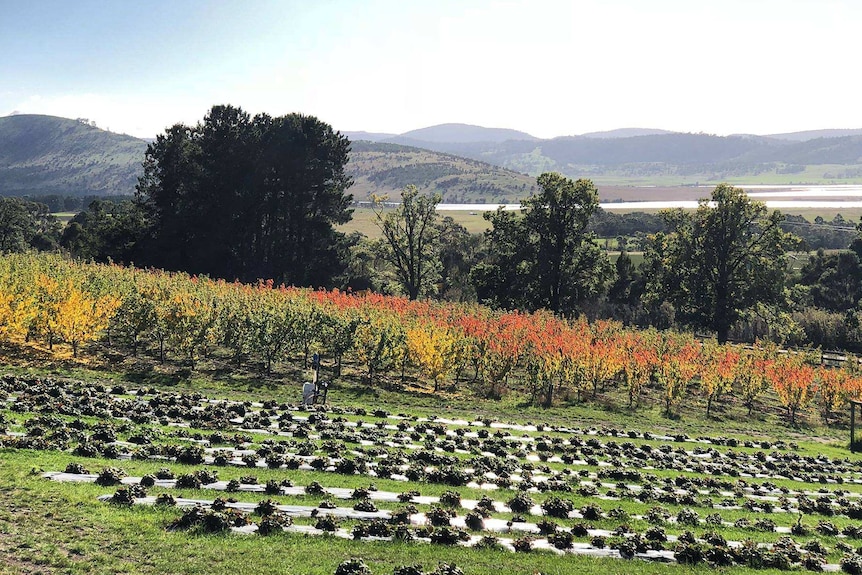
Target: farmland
[400, 489]
[557, 446]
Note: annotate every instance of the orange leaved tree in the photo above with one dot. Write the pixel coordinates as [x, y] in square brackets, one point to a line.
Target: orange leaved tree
[793, 380]
[718, 372]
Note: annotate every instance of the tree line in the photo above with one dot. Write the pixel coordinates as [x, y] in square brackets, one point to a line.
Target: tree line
[259, 198]
[185, 320]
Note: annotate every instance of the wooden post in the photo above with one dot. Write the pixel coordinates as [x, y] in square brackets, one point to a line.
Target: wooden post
[853, 405]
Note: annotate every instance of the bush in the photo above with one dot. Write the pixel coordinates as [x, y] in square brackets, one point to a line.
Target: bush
[365, 505]
[76, 468]
[314, 488]
[352, 567]
[592, 512]
[165, 499]
[438, 516]
[657, 516]
[689, 553]
[273, 523]
[558, 507]
[266, 507]
[488, 542]
[547, 527]
[272, 487]
[110, 476]
[448, 536]
[123, 496]
[451, 499]
[688, 516]
[655, 533]
[188, 481]
[719, 556]
[475, 521]
[326, 523]
[446, 569]
[827, 528]
[520, 503]
[561, 540]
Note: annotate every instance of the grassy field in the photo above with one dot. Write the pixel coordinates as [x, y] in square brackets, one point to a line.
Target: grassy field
[48, 527]
[364, 220]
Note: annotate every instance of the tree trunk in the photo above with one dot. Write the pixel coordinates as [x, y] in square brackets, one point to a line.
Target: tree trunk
[549, 395]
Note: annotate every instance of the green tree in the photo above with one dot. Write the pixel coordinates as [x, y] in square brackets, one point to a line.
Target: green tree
[834, 280]
[545, 258]
[106, 231]
[719, 260]
[621, 291]
[25, 225]
[458, 252]
[248, 198]
[410, 240]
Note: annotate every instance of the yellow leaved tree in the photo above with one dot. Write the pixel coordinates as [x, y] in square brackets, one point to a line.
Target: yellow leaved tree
[434, 350]
[81, 317]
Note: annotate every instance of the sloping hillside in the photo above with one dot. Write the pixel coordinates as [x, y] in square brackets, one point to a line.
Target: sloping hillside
[381, 168]
[462, 133]
[50, 155]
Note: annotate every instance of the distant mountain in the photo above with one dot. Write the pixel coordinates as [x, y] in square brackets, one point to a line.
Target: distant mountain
[368, 136]
[42, 155]
[815, 134]
[386, 168]
[461, 133]
[48, 155]
[625, 133]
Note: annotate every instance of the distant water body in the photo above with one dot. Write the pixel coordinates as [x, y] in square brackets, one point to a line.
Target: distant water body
[794, 197]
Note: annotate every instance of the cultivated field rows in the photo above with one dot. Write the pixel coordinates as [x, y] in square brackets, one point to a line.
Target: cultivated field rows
[599, 492]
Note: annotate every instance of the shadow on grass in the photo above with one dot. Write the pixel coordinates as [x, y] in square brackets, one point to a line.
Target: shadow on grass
[155, 378]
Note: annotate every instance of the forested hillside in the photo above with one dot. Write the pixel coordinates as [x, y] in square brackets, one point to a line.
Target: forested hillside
[379, 168]
[49, 155]
[42, 155]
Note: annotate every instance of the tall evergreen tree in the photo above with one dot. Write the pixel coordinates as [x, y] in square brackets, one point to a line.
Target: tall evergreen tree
[248, 198]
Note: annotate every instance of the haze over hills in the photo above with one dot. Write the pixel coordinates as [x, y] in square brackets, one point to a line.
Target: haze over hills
[814, 134]
[625, 133]
[42, 155]
[50, 155]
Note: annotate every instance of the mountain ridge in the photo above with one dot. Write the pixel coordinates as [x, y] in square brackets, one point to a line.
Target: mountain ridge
[42, 155]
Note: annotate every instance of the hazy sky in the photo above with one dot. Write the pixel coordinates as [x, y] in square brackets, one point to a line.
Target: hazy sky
[546, 67]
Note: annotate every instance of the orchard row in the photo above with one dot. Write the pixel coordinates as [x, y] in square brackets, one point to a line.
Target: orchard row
[173, 315]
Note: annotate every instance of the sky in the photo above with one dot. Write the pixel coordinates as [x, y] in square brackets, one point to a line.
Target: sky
[549, 68]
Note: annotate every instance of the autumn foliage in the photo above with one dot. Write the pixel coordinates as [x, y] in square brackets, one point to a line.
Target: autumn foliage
[441, 346]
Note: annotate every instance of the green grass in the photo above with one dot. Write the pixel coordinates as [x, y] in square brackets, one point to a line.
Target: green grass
[53, 527]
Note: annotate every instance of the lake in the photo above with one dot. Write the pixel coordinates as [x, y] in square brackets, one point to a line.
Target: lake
[774, 196]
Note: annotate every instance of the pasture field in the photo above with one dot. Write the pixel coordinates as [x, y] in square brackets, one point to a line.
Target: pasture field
[364, 221]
